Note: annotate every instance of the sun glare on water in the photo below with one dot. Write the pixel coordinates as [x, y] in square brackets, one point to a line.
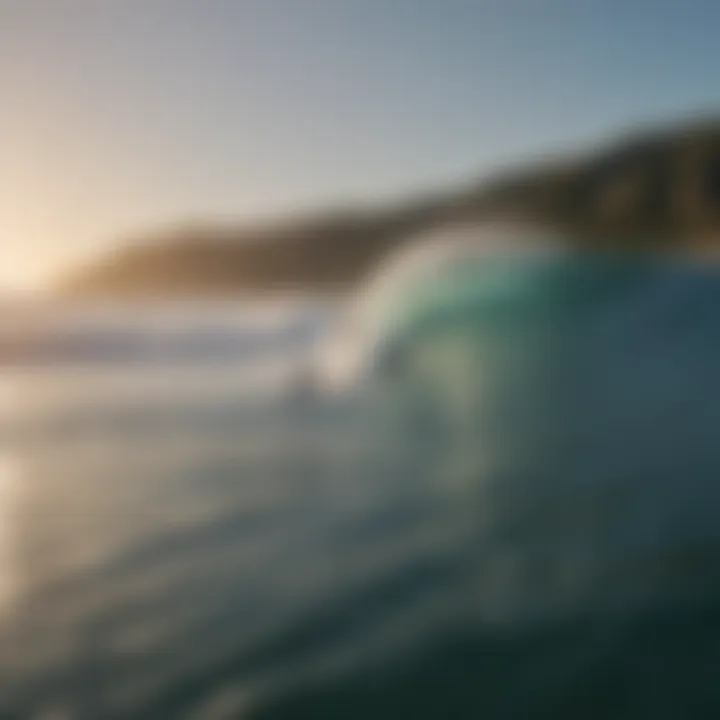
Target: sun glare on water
[9, 474]
[8, 477]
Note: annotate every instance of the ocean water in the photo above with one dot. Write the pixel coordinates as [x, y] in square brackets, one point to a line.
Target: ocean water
[178, 539]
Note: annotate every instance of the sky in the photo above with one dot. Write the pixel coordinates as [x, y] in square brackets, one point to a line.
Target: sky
[121, 117]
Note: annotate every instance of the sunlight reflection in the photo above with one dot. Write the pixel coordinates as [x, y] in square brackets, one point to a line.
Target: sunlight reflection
[8, 488]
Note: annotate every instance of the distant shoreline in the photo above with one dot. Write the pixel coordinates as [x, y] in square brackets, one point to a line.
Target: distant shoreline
[656, 190]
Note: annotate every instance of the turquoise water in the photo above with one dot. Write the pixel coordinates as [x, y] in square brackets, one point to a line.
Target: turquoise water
[179, 541]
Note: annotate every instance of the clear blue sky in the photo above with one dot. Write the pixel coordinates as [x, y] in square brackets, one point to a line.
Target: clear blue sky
[122, 115]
